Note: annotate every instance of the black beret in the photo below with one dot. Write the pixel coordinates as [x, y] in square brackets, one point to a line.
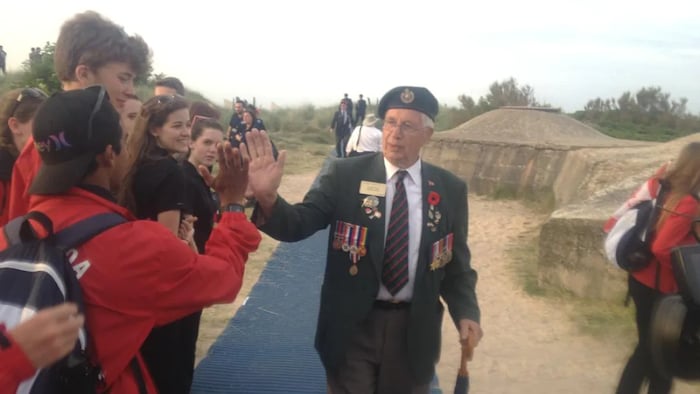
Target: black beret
[409, 97]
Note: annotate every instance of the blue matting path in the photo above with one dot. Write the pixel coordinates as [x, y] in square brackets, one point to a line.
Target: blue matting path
[268, 347]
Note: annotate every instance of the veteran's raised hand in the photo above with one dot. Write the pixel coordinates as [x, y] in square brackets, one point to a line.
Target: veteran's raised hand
[264, 172]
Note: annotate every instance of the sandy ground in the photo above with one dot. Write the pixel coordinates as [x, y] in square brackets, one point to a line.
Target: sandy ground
[530, 343]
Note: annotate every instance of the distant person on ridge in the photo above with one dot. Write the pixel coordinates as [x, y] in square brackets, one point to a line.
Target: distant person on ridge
[348, 103]
[360, 110]
[169, 86]
[237, 117]
[3, 58]
[342, 126]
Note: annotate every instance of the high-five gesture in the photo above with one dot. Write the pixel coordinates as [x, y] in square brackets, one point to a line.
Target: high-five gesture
[264, 172]
[232, 179]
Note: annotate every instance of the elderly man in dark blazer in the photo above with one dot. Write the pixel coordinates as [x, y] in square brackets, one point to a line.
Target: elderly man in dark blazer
[398, 243]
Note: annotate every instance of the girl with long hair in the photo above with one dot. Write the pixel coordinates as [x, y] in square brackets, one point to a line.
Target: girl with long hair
[154, 185]
[206, 134]
[154, 188]
[648, 285]
[17, 110]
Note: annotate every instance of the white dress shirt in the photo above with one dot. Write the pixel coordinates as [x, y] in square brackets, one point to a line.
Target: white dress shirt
[370, 140]
[412, 184]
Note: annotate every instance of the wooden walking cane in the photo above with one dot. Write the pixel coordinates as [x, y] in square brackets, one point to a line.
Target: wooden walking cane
[462, 383]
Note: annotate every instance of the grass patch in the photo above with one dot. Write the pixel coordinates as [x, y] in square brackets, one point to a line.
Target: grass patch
[305, 151]
[540, 201]
[602, 319]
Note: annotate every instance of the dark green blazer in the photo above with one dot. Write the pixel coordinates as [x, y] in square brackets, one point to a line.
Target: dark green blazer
[346, 300]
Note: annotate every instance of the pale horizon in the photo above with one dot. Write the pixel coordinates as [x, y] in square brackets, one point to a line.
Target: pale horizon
[308, 52]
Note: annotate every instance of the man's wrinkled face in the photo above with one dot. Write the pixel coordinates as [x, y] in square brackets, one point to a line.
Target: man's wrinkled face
[403, 136]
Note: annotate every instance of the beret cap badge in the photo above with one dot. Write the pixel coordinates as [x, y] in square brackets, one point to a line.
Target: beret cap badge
[407, 96]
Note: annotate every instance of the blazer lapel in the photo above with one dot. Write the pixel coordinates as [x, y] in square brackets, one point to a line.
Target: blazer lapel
[427, 236]
[375, 230]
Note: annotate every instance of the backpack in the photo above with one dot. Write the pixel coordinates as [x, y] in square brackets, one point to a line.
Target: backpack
[35, 273]
[627, 244]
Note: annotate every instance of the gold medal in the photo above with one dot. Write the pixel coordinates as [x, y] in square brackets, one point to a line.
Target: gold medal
[353, 270]
[362, 251]
[448, 256]
[353, 249]
[336, 244]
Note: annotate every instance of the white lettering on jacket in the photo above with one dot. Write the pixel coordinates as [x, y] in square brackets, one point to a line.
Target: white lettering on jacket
[79, 268]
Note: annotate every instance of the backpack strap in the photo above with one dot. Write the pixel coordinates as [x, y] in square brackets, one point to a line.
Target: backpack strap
[20, 230]
[359, 135]
[82, 231]
[138, 375]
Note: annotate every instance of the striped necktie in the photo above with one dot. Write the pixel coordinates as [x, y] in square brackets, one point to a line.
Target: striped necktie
[395, 269]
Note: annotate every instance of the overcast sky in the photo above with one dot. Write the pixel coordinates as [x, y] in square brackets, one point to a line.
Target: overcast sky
[293, 52]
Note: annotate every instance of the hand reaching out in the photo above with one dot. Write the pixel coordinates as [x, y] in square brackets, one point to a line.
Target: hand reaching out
[232, 178]
[264, 172]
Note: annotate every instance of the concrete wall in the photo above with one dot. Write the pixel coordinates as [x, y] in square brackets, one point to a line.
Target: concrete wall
[572, 257]
[489, 167]
[587, 184]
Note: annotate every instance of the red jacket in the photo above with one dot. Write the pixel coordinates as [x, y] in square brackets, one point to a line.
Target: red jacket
[138, 275]
[23, 173]
[14, 364]
[5, 201]
[675, 231]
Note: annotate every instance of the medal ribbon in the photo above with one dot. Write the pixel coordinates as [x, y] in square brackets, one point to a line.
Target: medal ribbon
[436, 251]
[363, 238]
[348, 231]
[450, 239]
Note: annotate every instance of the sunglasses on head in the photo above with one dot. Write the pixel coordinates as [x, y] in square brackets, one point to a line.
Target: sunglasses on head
[156, 103]
[197, 118]
[28, 92]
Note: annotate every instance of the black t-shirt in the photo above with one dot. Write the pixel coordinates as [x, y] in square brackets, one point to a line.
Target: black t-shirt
[235, 121]
[200, 202]
[7, 161]
[159, 186]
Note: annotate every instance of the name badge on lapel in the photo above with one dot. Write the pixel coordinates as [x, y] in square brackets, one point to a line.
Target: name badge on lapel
[373, 188]
[351, 239]
[441, 252]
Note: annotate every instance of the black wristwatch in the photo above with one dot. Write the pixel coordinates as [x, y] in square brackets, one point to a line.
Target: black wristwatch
[232, 208]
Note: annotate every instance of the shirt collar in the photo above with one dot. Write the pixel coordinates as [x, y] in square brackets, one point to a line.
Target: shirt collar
[98, 190]
[413, 170]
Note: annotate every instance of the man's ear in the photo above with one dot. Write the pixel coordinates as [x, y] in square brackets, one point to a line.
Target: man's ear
[107, 158]
[84, 75]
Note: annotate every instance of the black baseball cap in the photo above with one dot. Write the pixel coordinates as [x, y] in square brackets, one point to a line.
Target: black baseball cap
[409, 97]
[70, 129]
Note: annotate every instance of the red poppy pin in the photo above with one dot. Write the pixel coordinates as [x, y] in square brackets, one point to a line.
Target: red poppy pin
[434, 214]
[433, 198]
